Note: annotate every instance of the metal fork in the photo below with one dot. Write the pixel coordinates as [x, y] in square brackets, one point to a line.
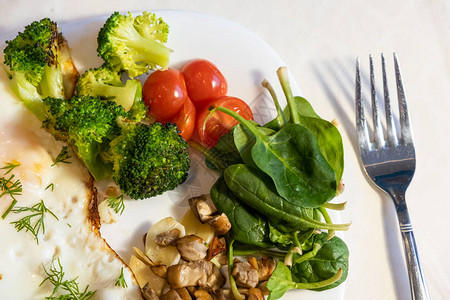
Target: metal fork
[390, 162]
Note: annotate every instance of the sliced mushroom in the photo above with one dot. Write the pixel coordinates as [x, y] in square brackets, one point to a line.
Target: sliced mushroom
[202, 295]
[243, 291]
[162, 255]
[203, 207]
[184, 294]
[171, 295]
[191, 248]
[145, 276]
[216, 247]
[159, 270]
[220, 223]
[191, 289]
[266, 266]
[199, 273]
[253, 262]
[149, 293]
[255, 294]
[193, 225]
[245, 275]
[168, 238]
[263, 287]
[142, 256]
[222, 294]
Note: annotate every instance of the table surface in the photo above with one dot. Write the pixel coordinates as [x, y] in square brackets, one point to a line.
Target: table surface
[319, 41]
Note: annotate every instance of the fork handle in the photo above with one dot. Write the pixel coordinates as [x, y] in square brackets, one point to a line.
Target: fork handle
[417, 282]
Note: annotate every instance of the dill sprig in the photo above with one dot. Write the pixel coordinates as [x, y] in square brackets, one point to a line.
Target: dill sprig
[36, 212]
[55, 275]
[116, 203]
[10, 167]
[121, 280]
[10, 186]
[51, 186]
[63, 156]
[10, 207]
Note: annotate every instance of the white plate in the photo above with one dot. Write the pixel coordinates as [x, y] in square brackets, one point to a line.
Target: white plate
[244, 59]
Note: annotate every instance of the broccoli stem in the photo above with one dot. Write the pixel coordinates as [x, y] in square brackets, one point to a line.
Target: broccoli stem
[29, 95]
[146, 50]
[51, 84]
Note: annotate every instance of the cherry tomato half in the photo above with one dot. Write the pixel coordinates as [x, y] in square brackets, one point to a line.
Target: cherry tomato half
[165, 93]
[211, 127]
[185, 119]
[204, 81]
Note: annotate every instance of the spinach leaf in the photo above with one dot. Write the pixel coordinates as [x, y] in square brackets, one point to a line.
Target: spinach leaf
[256, 190]
[244, 141]
[225, 152]
[282, 281]
[302, 239]
[300, 111]
[329, 139]
[332, 256]
[292, 159]
[246, 226]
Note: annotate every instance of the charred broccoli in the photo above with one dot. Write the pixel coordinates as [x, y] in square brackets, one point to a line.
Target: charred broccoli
[148, 159]
[144, 160]
[40, 65]
[135, 45]
[106, 84]
[88, 124]
[105, 121]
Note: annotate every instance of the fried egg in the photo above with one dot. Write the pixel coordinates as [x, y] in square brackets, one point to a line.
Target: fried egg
[71, 235]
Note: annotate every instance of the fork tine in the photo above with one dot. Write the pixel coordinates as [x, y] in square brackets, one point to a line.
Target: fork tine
[405, 126]
[377, 127]
[361, 125]
[390, 126]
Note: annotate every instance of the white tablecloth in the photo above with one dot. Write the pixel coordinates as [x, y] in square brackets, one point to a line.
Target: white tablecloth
[319, 41]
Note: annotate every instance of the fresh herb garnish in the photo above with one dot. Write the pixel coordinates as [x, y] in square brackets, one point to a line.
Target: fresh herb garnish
[121, 280]
[63, 156]
[51, 186]
[10, 167]
[55, 275]
[9, 186]
[116, 203]
[10, 207]
[36, 211]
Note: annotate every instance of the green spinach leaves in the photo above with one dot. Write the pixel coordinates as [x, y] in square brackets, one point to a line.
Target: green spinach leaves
[325, 267]
[275, 184]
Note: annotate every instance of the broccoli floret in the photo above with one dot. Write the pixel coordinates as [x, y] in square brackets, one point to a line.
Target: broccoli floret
[102, 122]
[40, 64]
[88, 124]
[149, 159]
[135, 45]
[107, 84]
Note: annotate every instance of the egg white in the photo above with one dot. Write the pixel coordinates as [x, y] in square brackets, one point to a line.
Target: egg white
[72, 237]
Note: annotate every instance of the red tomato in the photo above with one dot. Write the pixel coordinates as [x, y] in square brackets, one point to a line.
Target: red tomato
[211, 127]
[185, 119]
[165, 93]
[204, 82]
